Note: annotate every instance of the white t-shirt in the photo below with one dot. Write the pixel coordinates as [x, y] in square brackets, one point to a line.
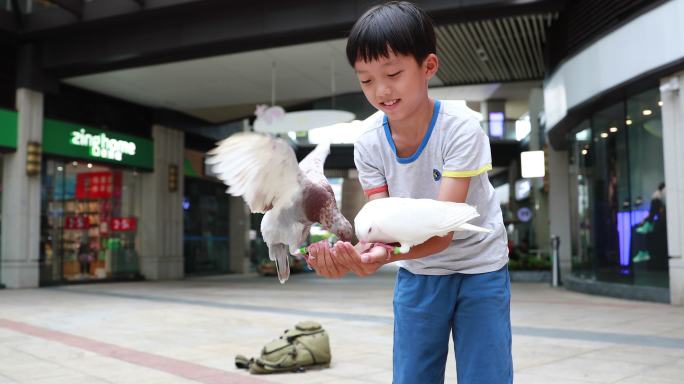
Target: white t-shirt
[455, 145]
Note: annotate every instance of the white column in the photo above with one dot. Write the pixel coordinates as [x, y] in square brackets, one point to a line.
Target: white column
[559, 207]
[21, 199]
[673, 142]
[161, 221]
[238, 228]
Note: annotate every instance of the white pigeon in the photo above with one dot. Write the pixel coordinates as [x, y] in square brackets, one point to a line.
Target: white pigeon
[264, 171]
[410, 222]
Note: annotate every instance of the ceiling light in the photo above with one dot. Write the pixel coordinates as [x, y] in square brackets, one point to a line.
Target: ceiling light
[628, 121]
[273, 118]
[584, 152]
[75, 163]
[90, 165]
[647, 112]
[660, 103]
[604, 134]
[613, 129]
[532, 164]
[60, 168]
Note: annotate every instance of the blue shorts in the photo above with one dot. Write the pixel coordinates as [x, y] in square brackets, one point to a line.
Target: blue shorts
[475, 307]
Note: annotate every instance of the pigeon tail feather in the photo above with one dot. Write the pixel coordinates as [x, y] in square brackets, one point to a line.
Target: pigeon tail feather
[281, 255]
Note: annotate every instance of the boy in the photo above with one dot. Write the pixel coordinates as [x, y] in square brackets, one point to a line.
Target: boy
[422, 148]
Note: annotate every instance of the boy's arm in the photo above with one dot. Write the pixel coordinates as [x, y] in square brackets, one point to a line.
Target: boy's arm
[466, 154]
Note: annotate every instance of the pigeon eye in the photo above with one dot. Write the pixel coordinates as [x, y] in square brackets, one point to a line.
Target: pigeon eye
[369, 230]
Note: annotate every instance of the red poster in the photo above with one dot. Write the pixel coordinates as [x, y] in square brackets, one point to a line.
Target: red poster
[123, 224]
[94, 185]
[76, 222]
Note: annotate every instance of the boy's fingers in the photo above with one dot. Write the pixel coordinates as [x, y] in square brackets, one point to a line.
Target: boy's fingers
[375, 255]
[345, 252]
[362, 257]
[330, 269]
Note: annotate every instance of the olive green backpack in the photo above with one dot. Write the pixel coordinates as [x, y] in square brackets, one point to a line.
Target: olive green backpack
[304, 346]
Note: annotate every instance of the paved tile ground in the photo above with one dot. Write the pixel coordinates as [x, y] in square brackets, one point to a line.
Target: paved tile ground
[189, 331]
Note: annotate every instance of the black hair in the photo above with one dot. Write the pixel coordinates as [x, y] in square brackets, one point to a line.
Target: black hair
[397, 26]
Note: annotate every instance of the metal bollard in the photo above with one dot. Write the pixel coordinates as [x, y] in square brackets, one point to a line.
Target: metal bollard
[555, 267]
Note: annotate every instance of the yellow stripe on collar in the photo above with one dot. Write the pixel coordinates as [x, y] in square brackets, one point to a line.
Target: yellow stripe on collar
[475, 172]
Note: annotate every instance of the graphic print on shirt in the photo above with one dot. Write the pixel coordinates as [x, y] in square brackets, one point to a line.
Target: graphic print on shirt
[436, 174]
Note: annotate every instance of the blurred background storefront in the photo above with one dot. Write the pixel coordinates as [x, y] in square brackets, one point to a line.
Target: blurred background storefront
[91, 203]
[206, 216]
[618, 195]
[613, 117]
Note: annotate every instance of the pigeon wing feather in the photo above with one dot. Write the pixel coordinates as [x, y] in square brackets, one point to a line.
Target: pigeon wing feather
[260, 168]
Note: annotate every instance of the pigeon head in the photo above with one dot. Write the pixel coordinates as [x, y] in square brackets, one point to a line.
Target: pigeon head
[342, 229]
[364, 228]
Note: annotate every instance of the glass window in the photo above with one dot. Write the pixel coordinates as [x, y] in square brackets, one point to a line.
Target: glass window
[618, 195]
[89, 222]
[610, 194]
[581, 188]
[648, 224]
[206, 223]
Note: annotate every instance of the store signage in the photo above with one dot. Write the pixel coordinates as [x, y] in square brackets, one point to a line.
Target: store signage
[79, 142]
[76, 222]
[102, 146]
[123, 224]
[8, 129]
[98, 185]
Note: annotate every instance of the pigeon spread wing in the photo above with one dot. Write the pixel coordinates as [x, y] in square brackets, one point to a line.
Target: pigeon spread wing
[261, 169]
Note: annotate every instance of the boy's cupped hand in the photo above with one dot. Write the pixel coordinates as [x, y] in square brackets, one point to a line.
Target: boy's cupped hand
[335, 262]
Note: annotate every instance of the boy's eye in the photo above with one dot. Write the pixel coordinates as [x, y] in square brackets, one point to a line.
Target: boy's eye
[394, 74]
[365, 81]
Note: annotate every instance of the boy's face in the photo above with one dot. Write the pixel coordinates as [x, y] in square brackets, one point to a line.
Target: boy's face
[396, 85]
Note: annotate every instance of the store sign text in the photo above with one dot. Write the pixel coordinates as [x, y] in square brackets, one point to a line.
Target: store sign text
[102, 146]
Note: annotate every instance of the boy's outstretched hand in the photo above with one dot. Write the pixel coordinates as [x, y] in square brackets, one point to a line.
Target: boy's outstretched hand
[363, 264]
[320, 258]
[362, 259]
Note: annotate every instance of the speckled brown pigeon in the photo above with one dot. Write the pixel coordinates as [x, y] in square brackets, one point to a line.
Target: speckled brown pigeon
[264, 171]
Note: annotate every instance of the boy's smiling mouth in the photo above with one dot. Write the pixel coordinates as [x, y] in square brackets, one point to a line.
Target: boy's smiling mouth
[390, 103]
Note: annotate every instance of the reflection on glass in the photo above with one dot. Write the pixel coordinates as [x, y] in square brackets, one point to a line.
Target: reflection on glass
[581, 170]
[618, 194]
[649, 228]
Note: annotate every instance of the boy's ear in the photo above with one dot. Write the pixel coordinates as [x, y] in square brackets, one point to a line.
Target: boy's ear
[430, 65]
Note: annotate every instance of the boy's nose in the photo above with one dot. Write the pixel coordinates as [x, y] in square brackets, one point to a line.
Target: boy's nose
[382, 91]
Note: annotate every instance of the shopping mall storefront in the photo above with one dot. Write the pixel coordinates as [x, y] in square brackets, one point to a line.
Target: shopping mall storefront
[206, 219]
[618, 195]
[91, 202]
[613, 118]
